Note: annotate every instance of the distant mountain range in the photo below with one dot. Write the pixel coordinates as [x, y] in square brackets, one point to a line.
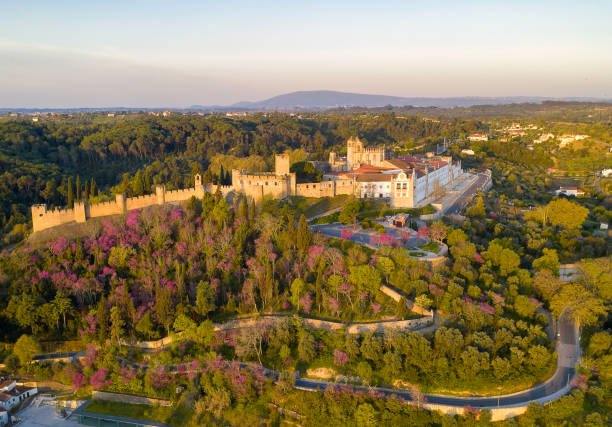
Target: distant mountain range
[326, 99]
[318, 100]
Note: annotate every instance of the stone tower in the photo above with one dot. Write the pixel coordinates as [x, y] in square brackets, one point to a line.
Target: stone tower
[281, 164]
[354, 152]
[38, 215]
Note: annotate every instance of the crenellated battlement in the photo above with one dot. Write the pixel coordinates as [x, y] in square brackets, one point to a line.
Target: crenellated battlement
[42, 218]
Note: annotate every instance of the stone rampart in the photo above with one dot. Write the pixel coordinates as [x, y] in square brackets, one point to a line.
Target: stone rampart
[180, 195]
[104, 209]
[43, 219]
[139, 202]
[316, 189]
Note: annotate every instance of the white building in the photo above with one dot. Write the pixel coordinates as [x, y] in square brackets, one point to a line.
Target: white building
[606, 172]
[570, 191]
[467, 152]
[4, 417]
[11, 394]
[568, 139]
[478, 137]
[543, 138]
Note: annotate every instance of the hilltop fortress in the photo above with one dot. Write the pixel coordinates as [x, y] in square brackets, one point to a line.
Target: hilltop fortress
[407, 182]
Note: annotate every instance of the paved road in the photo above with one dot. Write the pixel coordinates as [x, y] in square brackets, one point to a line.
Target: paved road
[557, 385]
[460, 203]
[568, 352]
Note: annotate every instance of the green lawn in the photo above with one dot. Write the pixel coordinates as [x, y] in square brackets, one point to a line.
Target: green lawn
[431, 247]
[311, 206]
[166, 414]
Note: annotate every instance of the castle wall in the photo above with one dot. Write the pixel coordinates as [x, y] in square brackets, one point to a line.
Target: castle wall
[180, 195]
[259, 185]
[104, 209]
[326, 188]
[316, 189]
[345, 186]
[42, 219]
[140, 202]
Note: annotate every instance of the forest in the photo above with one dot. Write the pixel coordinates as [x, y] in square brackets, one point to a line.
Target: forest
[87, 156]
[179, 272]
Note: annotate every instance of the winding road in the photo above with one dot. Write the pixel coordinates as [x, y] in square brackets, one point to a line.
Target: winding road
[568, 354]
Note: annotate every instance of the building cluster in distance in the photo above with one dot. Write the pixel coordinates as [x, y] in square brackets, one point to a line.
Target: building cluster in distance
[406, 182]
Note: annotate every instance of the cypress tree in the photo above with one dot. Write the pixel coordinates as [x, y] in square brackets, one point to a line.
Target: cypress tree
[69, 193]
[147, 180]
[86, 190]
[304, 236]
[93, 190]
[243, 208]
[252, 213]
[102, 319]
[78, 188]
[138, 184]
[221, 176]
[319, 286]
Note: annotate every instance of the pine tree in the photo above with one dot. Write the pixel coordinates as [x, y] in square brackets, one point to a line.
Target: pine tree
[304, 236]
[207, 178]
[401, 309]
[69, 193]
[78, 188]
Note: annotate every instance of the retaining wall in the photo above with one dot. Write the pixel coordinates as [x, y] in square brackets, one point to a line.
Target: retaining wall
[396, 296]
[129, 398]
[330, 325]
[497, 414]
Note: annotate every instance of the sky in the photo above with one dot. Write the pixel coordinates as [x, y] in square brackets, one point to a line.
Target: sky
[180, 53]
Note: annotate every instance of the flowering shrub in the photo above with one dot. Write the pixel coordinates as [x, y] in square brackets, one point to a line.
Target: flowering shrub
[78, 380]
[340, 358]
[99, 380]
[306, 303]
[159, 377]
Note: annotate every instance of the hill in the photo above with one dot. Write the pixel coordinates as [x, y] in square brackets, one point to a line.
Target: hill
[325, 99]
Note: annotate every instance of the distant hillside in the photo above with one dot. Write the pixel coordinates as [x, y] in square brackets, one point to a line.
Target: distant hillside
[325, 99]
